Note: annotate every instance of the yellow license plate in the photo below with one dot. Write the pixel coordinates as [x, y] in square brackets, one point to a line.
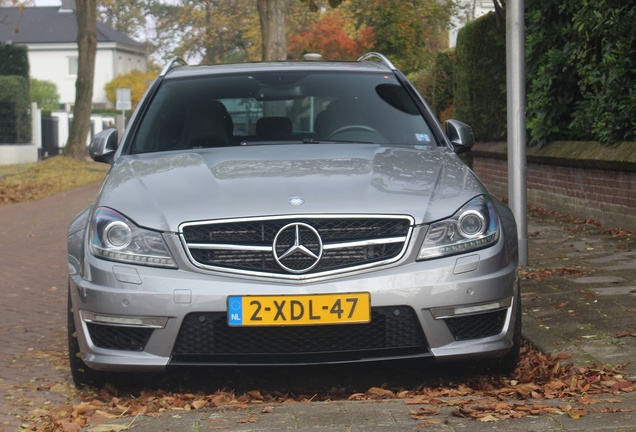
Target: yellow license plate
[287, 310]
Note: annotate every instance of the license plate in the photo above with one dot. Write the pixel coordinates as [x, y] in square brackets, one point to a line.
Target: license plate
[288, 310]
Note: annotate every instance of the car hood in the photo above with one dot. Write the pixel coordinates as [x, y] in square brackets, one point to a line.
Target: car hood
[162, 191]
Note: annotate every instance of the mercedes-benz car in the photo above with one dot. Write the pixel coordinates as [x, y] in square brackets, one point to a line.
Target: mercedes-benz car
[289, 213]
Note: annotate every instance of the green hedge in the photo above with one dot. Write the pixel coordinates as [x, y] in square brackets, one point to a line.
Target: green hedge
[15, 119]
[581, 67]
[480, 78]
[605, 61]
[14, 60]
[442, 100]
[580, 72]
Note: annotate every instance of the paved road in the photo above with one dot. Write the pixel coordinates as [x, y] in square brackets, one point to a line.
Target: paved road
[33, 283]
[578, 312]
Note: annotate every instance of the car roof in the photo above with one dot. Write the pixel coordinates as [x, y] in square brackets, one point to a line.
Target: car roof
[180, 70]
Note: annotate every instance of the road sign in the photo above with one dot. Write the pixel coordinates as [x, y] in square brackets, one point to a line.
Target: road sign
[123, 99]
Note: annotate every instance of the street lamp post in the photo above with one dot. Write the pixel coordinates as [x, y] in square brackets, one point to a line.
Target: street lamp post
[515, 80]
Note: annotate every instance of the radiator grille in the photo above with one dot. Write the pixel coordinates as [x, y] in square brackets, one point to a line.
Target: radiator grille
[331, 244]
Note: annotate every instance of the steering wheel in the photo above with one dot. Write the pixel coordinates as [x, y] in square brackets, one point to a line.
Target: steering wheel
[352, 128]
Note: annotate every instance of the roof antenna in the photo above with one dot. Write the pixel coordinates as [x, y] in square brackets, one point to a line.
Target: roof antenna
[312, 57]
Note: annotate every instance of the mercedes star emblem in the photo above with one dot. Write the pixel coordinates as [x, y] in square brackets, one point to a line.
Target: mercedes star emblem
[297, 247]
[296, 201]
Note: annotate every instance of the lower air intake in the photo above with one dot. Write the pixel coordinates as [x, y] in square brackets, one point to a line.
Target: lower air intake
[206, 338]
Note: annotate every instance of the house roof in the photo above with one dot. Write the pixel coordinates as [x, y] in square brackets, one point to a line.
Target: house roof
[41, 25]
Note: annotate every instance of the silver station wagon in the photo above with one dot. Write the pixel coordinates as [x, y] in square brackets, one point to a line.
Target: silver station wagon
[289, 213]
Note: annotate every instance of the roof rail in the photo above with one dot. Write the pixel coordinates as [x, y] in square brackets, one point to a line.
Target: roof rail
[378, 56]
[171, 64]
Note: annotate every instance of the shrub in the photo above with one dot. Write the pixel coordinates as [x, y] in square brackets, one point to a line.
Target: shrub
[15, 121]
[581, 70]
[442, 100]
[137, 81]
[605, 61]
[14, 60]
[480, 78]
[45, 94]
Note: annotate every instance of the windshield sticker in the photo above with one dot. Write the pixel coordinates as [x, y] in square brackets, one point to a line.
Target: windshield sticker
[422, 137]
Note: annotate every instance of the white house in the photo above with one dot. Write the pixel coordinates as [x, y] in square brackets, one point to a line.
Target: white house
[474, 9]
[50, 33]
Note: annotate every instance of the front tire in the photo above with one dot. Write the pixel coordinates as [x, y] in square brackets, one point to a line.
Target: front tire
[508, 362]
[81, 373]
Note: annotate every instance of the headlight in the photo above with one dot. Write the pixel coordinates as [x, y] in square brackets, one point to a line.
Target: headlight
[115, 238]
[474, 226]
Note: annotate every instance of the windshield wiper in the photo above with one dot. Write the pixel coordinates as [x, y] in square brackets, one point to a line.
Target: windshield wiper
[323, 141]
[304, 141]
[271, 142]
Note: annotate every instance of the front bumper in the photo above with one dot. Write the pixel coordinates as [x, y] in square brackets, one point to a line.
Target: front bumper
[131, 317]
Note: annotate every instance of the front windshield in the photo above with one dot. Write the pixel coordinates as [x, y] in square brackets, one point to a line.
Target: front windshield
[280, 107]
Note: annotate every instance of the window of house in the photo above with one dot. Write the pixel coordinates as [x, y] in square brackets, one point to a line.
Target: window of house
[72, 65]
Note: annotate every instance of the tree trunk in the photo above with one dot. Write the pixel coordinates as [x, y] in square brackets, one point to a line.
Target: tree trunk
[272, 16]
[86, 13]
[208, 40]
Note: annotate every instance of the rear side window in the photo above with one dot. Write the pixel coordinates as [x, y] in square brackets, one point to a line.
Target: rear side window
[239, 109]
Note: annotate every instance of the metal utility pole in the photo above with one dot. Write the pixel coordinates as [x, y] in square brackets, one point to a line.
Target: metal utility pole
[515, 80]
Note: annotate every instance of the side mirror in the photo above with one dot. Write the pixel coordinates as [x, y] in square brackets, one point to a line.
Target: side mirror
[460, 135]
[102, 147]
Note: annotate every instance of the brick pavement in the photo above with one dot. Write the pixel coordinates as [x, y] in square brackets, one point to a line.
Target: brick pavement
[33, 283]
[589, 298]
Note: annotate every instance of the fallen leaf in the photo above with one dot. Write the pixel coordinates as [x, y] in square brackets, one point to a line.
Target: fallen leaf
[624, 334]
[69, 426]
[255, 394]
[423, 413]
[199, 403]
[436, 421]
[248, 420]
[380, 392]
[109, 428]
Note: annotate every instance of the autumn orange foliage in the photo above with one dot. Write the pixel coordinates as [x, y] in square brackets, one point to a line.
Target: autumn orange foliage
[137, 81]
[329, 38]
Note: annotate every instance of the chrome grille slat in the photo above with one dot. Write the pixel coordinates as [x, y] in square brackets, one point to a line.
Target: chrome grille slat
[365, 243]
[246, 246]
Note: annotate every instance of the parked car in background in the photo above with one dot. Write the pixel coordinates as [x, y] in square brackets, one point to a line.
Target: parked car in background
[289, 213]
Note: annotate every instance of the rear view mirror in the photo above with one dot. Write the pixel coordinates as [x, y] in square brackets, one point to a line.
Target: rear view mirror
[460, 135]
[273, 93]
[102, 147]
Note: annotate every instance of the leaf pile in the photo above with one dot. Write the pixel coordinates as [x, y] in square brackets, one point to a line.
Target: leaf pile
[541, 385]
[575, 224]
[30, 182]
[539, 274]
